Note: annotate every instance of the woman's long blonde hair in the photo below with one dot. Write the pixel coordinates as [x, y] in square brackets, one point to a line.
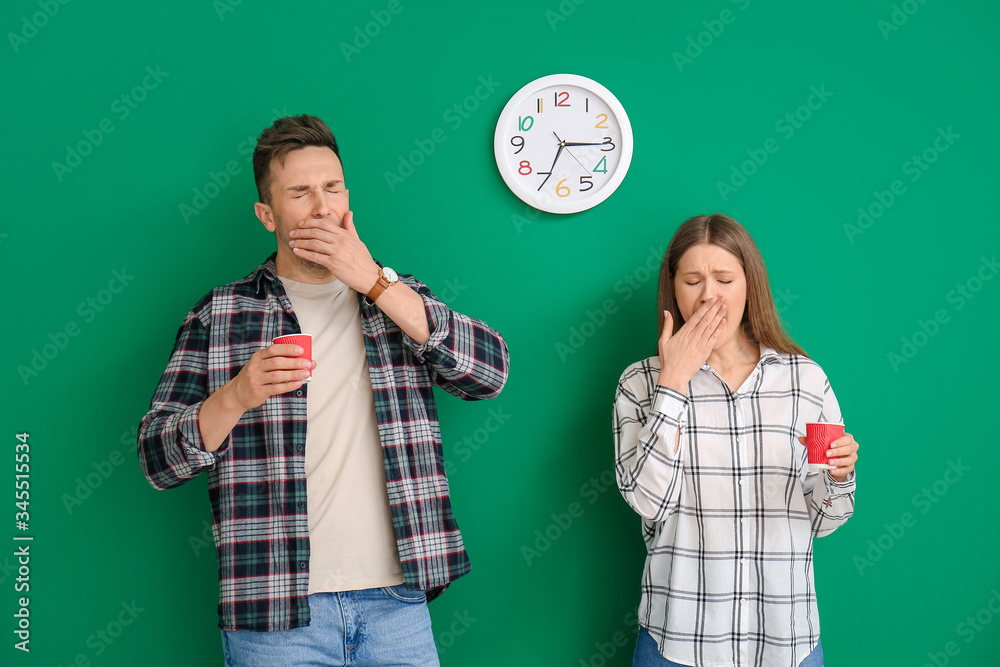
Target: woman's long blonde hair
[760, 317]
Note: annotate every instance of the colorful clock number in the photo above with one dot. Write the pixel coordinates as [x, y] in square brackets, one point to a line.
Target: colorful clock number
[547, 175]
[585, 180]
[602, 118]
[517, 140]
[562, 101]
[602, 166]
[522, 166]
[524, 123]
[560, 187]
[608, 142]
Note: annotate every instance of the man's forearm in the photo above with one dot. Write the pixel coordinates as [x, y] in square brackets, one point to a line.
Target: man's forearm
[218, 416]
[405, 307]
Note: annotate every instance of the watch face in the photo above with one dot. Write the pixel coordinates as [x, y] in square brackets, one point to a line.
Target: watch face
[390, 274]
[563, 143]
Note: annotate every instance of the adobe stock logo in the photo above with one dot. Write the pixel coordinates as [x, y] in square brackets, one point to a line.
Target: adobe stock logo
[593, 320]
[460, 624]
[223, 7]
[363, 35]
[619, 642]
[696, 44]
[566, 8]
[959, 297]
[122, 106]
[898, 18]
[968, 629]
[787, 126]
[218, 181]
[914, 168]
[923, 501]
[90, 480]
[466, 448]
[455, 116]
[31, 25]
[88, 309]
[562, 522]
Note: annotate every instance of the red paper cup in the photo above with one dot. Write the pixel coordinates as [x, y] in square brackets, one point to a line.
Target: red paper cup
[819, 435]
[305, 341]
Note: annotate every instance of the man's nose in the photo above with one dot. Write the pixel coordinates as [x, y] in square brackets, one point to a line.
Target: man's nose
[319, 205]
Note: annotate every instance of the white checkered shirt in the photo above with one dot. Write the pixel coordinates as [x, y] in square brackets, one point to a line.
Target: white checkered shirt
[730, 516]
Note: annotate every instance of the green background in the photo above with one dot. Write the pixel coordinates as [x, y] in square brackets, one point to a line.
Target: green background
[896, 584]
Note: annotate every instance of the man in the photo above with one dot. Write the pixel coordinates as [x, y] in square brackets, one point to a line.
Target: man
[331, 514]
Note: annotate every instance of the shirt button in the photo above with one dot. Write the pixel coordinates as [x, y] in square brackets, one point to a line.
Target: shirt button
[743, 561]
[301, 447]
[743, 521]
[743, 600]
[302, 504]
[298, 393]
[302, 564]
[741, 481]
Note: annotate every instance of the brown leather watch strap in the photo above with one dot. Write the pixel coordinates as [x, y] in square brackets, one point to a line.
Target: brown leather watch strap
[380, 286]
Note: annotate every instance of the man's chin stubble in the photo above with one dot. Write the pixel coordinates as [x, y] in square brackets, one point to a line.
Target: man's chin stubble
[312, 267]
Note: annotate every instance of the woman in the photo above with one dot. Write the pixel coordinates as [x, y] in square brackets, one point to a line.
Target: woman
[709, 451]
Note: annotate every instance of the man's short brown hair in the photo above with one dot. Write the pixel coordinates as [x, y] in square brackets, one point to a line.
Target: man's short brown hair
[283, 137]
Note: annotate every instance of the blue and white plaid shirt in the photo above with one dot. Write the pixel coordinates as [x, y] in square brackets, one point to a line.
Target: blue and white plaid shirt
[257, 479]
[730, 516]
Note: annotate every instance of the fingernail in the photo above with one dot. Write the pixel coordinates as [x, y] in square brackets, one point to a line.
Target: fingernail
[292, 233]
[304, 374]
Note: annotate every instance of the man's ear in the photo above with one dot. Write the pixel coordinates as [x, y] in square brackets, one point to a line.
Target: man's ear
[265, 215]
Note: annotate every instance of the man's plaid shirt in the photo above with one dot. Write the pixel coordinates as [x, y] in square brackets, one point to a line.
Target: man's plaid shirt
[256, 479]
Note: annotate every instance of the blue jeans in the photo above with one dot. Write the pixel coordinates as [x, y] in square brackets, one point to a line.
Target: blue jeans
[374, 627]
[647, 655]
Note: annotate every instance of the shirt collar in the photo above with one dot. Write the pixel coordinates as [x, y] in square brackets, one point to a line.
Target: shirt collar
[267, 271]
[768, 354]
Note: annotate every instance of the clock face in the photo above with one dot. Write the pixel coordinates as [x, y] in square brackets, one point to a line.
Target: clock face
[563, 143]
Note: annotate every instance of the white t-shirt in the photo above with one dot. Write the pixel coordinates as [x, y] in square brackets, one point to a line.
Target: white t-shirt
[352, 544]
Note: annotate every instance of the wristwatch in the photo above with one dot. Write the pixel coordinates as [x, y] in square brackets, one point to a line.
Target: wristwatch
[386, 278]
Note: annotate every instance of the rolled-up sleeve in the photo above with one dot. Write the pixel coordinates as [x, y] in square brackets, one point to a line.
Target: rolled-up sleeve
[468, 358]
[170, 447]
[831, 503]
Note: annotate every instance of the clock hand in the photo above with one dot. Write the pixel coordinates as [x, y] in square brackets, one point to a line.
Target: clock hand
[577, 160]
[549, 172]
[578, 143]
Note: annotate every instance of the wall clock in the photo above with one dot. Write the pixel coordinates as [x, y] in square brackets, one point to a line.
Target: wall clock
[563, 143]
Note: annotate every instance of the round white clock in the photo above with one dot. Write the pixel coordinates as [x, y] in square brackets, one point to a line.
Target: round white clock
[563, 143]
